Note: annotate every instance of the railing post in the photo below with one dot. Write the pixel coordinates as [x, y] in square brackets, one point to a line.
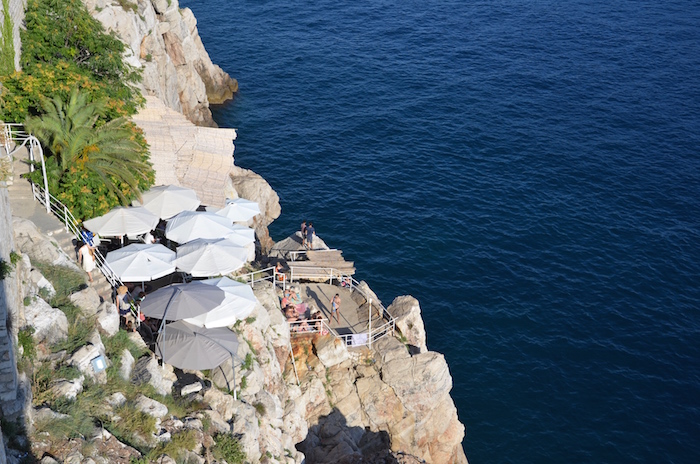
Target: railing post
[65, 216]
[370, 323]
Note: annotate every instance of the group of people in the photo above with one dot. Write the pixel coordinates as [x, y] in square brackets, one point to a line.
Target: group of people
[295, 310]
[307, 235]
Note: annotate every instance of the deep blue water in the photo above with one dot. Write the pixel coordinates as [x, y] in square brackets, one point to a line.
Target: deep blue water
[529, 170]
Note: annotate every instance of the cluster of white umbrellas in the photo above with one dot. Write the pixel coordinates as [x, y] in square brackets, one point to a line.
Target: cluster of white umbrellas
[212, 244]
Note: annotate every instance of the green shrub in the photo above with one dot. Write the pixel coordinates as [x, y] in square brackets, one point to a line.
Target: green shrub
[6, 269]
[247, 362]
[26, 341]
[79, 332]
[7, 54]
[228, 448]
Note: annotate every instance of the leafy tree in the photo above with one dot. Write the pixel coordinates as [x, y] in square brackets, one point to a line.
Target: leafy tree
[64, 47]
[93, 165]
[7, 53]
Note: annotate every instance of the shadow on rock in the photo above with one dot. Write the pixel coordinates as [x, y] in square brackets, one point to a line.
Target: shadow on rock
[332, 440]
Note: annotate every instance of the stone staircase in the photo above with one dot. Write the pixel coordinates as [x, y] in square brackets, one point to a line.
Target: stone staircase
[24, 205]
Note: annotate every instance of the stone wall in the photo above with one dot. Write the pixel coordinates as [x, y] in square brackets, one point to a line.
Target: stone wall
[9, 296]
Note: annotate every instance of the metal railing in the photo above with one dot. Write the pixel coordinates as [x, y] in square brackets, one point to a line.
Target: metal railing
[52, 204]
[387, 326]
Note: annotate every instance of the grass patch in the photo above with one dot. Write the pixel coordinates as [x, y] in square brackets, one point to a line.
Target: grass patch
[247, 362]
[132, 421]
[116, 344]
[175, 448]
[65, 280]
[228, 448]
[26, 341]
[260, 408]
[79, 331]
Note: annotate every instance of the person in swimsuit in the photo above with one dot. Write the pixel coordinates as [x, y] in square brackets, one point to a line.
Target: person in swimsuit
[303, 233]
[335, 307]
[310, 236]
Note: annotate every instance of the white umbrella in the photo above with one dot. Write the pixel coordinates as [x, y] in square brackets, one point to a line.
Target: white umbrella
[191, 225]
[241, 234]
[140, 262]
[210, 257]
[165, 201]
[239, 209]
[238, 303]
[123, 221]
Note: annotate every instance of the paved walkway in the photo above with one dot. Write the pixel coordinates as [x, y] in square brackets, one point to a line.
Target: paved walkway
[24, 205]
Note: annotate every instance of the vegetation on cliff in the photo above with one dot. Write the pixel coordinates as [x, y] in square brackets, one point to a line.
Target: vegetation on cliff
[96, 159]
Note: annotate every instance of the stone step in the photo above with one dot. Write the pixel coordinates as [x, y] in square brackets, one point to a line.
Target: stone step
[324, 256]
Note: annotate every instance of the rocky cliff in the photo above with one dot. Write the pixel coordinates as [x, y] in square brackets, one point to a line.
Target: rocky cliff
[163, 41]
[304, 399]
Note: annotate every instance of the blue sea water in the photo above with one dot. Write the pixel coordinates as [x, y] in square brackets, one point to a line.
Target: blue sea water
[529, 170]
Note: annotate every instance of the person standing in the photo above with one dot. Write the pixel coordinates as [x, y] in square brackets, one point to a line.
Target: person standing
[335, 308]
[310, 231]
[303, 233]
[86, 258]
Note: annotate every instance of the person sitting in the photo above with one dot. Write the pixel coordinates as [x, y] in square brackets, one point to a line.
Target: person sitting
[285, 298]
[148, 238]
[317, 322]
[279, 272]
[294, 296]
[124, 306]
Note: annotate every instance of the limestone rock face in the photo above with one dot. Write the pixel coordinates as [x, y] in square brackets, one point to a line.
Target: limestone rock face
[108, 317]
[406, 310]
[251, 186]
[331, 351]
[50, 324]
[87, 299]
[147, 370]
[29, 240]
[163, 41]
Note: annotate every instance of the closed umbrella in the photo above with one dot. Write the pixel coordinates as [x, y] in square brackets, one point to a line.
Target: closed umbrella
[191, 225]
[140, 262]
[239, 210]
[165, 201]
[123, 221]
[210, 257]
[237, 305]
[179, 301]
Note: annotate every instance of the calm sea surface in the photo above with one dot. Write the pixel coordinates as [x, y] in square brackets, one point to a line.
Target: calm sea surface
[529, 170]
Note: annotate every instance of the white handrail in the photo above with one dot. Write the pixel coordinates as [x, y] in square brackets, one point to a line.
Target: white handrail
[51, 203]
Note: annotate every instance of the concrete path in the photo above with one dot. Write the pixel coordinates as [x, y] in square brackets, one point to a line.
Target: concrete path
[24, 205]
